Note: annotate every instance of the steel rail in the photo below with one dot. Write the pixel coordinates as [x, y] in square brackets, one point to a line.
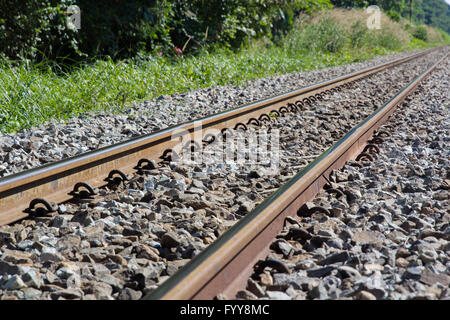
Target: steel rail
[55, 182]
[225, 265]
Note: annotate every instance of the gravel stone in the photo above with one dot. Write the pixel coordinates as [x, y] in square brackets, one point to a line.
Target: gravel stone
[277, 295]
[129, 294]
[14, 283]
[364, 295]
[413, 273]
[170, 240]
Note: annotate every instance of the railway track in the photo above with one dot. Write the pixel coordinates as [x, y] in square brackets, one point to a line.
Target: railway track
[57, 182]
[225, 266]
[36, 192]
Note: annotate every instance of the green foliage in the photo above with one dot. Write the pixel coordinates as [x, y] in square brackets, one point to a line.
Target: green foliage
[359, 35]
[435, 13]
[394, 15]
[421, 33]
[350, 3]
[198, 24]
[387, 39]
[125, 28]
[326, 36]
[36, 30]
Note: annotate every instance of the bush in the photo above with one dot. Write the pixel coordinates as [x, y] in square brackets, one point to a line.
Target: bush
[37, 30]
[199, 23]
[358, 34]
[327, 36]
[394, 15]
[124, 28]
[388, 39]
[421, 33]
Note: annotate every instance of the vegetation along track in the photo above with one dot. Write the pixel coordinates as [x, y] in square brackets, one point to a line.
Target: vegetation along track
[75, 177]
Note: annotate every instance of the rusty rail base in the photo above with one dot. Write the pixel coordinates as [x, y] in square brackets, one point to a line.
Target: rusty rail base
[226, 264]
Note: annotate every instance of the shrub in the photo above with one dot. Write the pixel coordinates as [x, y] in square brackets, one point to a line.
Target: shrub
[358, 34]
[394, 15]
[388, 39]
[421, 33]
[233, 22]
[327, 36]
[124, 28]
[37, 30]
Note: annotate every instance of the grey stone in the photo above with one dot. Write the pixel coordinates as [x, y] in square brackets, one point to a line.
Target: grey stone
[8, 268]
[278, 295]
[129, 294]
[375, 285]
[296, 280]
[84, 218]
[331, 282]
[112, 281]
[100, 290]
[335, 243]
[348, 272]
[65, 273]
[14, 283]
[170, 240]
[335, 258]
[318, 292]
[32, 278]
[246, 207]
[25, 244]
[282, 246]
[62, 209]
[73, 282]
[31, 293]
[99, 269]
[52, 257]
[305, 264]
[345, 235]
[131, 232]
[255, 288]
[59, 222]
[144, 275]
[68, 294]
[320, 272]
[413, 273]
[143, 251]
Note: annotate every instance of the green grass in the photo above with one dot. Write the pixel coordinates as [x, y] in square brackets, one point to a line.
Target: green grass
[33, 94]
